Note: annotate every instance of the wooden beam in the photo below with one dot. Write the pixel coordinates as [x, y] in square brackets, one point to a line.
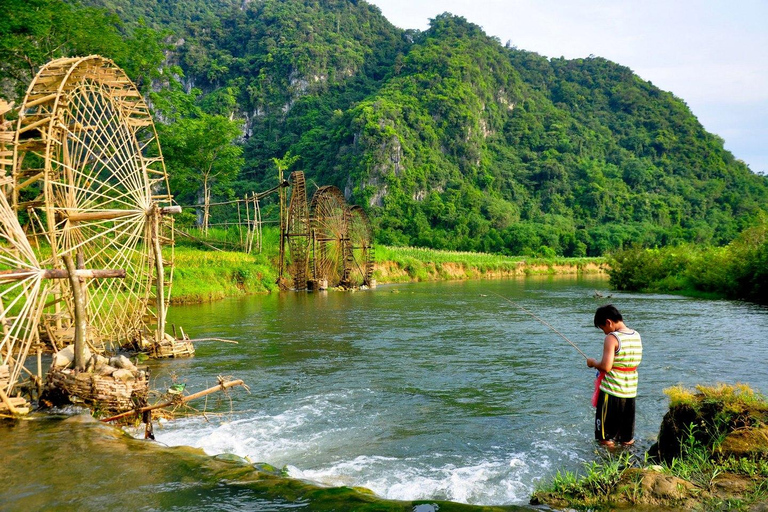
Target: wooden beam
[101, 215]
[181, 400]
[56, 273]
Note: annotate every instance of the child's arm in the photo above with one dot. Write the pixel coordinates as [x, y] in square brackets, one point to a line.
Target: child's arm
[609, 349]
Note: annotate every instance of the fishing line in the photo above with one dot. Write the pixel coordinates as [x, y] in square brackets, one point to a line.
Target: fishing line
[542, 321]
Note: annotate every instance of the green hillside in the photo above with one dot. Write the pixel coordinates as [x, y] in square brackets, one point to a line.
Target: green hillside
[448, 138]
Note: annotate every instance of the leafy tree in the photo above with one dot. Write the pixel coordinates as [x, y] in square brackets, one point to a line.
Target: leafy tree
[201, 157]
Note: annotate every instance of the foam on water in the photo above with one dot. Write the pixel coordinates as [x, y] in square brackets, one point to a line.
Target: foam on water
[314, 440]
[264, 437]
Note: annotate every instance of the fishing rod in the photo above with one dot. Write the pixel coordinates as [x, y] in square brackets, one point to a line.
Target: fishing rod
[544, 322]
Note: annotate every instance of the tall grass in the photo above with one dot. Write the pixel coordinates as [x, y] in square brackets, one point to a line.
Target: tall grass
[420, 264]
[205, 275]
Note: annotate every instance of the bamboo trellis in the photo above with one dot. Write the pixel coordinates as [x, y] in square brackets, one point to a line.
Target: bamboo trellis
[249, 224]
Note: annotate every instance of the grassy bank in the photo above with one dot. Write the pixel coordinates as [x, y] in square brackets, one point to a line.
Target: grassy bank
[203, 274]
[406, 264]
[206, 275]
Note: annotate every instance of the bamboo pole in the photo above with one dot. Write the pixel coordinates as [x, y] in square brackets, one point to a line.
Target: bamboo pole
[258, 224]
[249, 233]
[7, 402]
[240, 225]
[160, 283]
[221, 387]
[80, 319]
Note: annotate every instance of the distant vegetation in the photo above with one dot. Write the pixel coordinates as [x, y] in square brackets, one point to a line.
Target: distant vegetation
[738, 270]
[449, 139]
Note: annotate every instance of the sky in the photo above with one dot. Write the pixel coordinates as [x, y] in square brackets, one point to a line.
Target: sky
[713, 54]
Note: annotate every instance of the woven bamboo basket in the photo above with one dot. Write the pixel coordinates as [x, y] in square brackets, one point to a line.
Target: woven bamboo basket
[103, 392]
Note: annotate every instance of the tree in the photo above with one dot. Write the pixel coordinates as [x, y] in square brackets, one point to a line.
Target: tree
[201, 155]
[33, 32]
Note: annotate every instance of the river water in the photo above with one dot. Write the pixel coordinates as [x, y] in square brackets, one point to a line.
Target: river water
[428, 391]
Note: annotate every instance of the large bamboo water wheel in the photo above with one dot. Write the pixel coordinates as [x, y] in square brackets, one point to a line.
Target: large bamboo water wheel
[297, 231]
[360, 252]
[89, 175]
[329, 223]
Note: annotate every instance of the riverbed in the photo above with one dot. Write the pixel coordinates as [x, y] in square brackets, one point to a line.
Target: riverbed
[425, 391]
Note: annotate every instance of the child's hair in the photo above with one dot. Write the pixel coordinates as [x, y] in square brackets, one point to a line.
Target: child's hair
[607, 312]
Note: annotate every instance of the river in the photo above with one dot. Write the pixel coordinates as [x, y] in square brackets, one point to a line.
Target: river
[428, 391]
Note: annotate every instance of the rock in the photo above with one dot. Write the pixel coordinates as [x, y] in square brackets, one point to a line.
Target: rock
[751, 443]
[100, 363]
[107, 370]
[665, 487]
[65, 358]
[122, 362]
[728, 485]
[123, 375]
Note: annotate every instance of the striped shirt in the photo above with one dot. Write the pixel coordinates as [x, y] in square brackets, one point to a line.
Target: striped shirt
[621, 381]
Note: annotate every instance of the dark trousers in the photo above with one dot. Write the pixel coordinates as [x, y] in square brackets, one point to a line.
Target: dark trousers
[614, 418]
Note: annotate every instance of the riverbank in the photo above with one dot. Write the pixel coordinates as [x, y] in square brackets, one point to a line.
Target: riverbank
[738, 270]
[711, 454]
[204, 275]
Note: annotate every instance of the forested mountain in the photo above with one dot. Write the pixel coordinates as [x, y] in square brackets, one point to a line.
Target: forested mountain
[448, 138]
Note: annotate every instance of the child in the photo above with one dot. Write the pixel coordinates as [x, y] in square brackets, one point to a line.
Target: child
[616, 385]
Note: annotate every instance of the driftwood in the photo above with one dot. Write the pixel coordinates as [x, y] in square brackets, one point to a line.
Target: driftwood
[214, 339]
[180, 400]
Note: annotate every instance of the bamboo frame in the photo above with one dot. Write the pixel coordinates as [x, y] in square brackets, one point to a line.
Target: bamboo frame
[86, 145]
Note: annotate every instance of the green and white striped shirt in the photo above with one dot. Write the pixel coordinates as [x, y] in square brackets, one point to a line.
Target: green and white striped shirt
[621, 381]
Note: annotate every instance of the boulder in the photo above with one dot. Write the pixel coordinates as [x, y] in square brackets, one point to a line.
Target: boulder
[65, 358]
[122, 362]
[123, 375]
[107, 370]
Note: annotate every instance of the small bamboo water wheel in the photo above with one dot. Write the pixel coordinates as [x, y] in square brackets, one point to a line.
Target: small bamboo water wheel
[329, 224]
[89, 174]
[297, 231]
[361, 252]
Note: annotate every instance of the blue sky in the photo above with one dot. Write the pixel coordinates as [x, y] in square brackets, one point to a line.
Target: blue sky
[711, 53]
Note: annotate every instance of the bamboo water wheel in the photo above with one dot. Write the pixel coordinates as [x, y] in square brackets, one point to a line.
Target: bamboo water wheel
[360, 252]
[89, 174]
[329, 223]
[297, 231]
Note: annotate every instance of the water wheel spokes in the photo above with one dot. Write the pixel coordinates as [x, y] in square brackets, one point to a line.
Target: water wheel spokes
[23, 293]
[89, 166]
[361, 248]
[297, 231]
[329, 220]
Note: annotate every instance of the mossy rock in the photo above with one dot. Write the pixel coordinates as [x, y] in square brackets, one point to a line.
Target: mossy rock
[751, 443]
[715, 416]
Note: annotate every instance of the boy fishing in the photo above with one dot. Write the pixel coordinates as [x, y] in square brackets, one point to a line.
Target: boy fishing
[616, 384]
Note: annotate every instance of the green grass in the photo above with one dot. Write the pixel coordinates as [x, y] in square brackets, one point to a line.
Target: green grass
[206, 275]
[419, 264]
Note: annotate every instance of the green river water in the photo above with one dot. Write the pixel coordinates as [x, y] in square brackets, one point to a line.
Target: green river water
[431, 395]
